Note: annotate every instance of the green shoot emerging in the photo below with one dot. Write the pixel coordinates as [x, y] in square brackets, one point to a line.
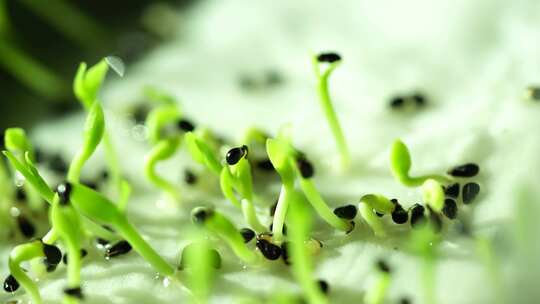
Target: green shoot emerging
[400, 164]
[326, 103]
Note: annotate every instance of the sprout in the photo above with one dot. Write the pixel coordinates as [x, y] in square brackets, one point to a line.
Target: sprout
[200, 260]
[302, 264]
[377, 293]
[219, 225]
[202, 152]
[93, 133]
[98, 208]
[433, 194]
[332, 60]
[424, 242]
[20, 254]
[400, 164]
[65, 221]
[237, 177]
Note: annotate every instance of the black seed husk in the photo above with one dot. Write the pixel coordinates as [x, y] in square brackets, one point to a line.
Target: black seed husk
[450, 208]
[25, 226]
[305, 167]
[53, 255]
[75, 292]
[470, 192]
[58, 164]
[235, 154]
[102, 242]
[417, 215]
[399, 215]
[397, 102]
[189, 177]
[119, 248]
[186, 125]
[247, 234]
[201, 215]
[347, 212]
[404, 301]
[269, 250]
[323, 285]
[328, 57]
[452, 190]
[285, 253]
[419, 99]
[83, 254]
[11, 284]
[465, 170]
[383, 266]
[264, 165]
[20, 194]
[64, 191]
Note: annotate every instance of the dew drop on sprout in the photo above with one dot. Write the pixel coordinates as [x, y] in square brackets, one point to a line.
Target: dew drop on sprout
[116, 64]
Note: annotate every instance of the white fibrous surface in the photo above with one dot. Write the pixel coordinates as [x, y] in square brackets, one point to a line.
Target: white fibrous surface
[472, 59]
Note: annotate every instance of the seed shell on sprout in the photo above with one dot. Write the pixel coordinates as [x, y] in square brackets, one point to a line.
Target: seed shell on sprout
[53, 255]
[64, 192]
[235, 154]
[347, 212]
[383, 266]
[399, 215]
[270, 251]
[305, 167]
[186, 125]
[75, 292]
[25, 226]
[11, 284]
[470, 192]
[323, 285]
[397, 102]
[189, 177]
[328, 57]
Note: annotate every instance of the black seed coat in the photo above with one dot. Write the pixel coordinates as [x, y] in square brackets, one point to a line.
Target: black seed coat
[470, 192]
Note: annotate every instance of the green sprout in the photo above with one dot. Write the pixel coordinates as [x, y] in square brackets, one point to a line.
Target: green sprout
[66, 222]
[302, 264]
[32, 176]
[286, 160]
[93, 133]
[425, 242]
[369, 205]
[222, 227]
[86, 86]
[17, 142]
[20, 254]
[400, 164]
[164, 145]
[433, 194]
[331, 63]
[202, 151]
[377, 294]
[200, 261]
[97, 207]
[237, 177]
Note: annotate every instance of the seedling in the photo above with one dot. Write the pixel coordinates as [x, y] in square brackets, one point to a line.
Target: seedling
[377, 293]
[200, 148]
[302, 264]
[236, 177]
[165, 144]
[222, 227]
[330, 61]
[400, 164]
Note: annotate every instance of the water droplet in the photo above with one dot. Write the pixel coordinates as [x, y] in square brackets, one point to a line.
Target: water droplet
[166, 282]
[15, 212]
[139, 133]
[116, 64]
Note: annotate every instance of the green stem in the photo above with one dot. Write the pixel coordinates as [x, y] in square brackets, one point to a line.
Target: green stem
[164, 149]
[367, 213]
[377, 294]
[19, 254]
[30, 72]
[74, 24]
[251, 216]
[321, 207]
[329, 112]
[487, 255]
[428, 280]
[142, 247]
[285, 196]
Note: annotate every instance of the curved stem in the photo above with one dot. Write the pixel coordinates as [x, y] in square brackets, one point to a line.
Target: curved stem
[321, 207]
[142, 247]
[163, 150]
[285, 196]
[251, 216]
[371, 219]
[19, 254]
